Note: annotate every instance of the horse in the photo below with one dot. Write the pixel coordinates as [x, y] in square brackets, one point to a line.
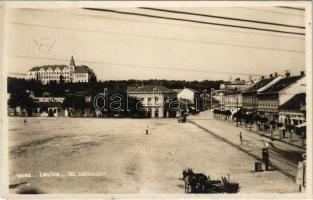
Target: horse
[187, 177]
[194, 182]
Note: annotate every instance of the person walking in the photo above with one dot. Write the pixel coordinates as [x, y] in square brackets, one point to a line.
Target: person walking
[300, 179]
[266, 158]
[240, 136]
[147, 131]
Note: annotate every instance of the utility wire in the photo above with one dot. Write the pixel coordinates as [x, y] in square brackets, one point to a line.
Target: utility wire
[140, 66]
[292, 8]
[194, 21]
[270, 11]
[163, 38]
[181, 25]
[221, 17]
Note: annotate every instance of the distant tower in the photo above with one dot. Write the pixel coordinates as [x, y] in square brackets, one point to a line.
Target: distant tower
[72, 68]
[72, 64]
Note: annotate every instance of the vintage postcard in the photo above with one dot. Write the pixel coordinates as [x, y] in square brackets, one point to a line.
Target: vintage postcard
[144, 99]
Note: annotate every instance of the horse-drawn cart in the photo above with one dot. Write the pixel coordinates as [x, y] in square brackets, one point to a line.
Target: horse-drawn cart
[200, 183]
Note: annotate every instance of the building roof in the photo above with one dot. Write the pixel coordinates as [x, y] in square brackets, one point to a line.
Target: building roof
[231, 92]
[72, 62]
[295, 102]
[34, 69]
[282, 84]
[194, 91]
[150, 89]
[178, 90]
[46, 67]
[259, 84]
[82, 69]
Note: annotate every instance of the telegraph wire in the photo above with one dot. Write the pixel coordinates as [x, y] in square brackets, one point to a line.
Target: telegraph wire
[138, 66]
[182, 25]
[165, 38]
[292, 8]
[270, 11]
[221, 17]
[194, 21]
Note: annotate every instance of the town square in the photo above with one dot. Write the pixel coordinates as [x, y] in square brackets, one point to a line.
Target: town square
[152, 99]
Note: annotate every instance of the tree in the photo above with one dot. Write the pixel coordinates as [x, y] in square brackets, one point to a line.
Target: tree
[21, 99]
[135, 108]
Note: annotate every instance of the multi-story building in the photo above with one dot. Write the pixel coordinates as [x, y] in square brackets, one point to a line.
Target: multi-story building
[270, 99]
[155, 99]
[62, 73]
[232, 101]
[249, 96]
[293, 111]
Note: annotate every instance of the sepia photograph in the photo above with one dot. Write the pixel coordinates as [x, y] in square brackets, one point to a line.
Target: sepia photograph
[155, 99]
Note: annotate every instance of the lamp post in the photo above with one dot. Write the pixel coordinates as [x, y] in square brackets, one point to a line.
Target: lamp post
[104, 95]
[211, 93]
[237, 111]
[204, 100]
[153, 105]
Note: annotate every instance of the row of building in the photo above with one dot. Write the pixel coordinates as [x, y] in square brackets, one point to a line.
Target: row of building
[279, 98]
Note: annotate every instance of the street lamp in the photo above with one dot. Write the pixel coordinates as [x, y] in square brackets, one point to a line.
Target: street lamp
[153, 105]
[211, 93]
[237, 111]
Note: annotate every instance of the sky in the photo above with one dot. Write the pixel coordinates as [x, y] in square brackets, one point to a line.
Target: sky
[125, 45]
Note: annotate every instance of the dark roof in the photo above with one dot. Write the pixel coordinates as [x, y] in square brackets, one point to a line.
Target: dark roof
[177, 90]
[46, 67]
[72, 62]
[159, 89]
[294, 103]
[230, 92]
[35, 69]
[283, 83]
[259, 85]
[82, 69]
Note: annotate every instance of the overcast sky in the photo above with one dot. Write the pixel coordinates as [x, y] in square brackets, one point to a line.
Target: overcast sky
[128, 46]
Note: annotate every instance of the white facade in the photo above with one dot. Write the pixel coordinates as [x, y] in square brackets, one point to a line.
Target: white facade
[153, 103]
[188, 94]
[71, 73]
[291, 117]
[298, 87]
[45, 74]
[80, 77]
[232, 102]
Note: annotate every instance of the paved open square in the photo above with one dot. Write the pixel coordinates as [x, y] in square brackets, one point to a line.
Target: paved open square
[89, 155]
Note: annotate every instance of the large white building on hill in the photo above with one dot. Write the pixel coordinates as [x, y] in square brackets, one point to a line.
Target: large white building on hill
[58, 73]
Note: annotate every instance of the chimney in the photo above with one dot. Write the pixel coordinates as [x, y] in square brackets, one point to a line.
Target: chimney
[276, 74]
[262, 77]
[287, 74]
[302, 73]
[271, 75]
